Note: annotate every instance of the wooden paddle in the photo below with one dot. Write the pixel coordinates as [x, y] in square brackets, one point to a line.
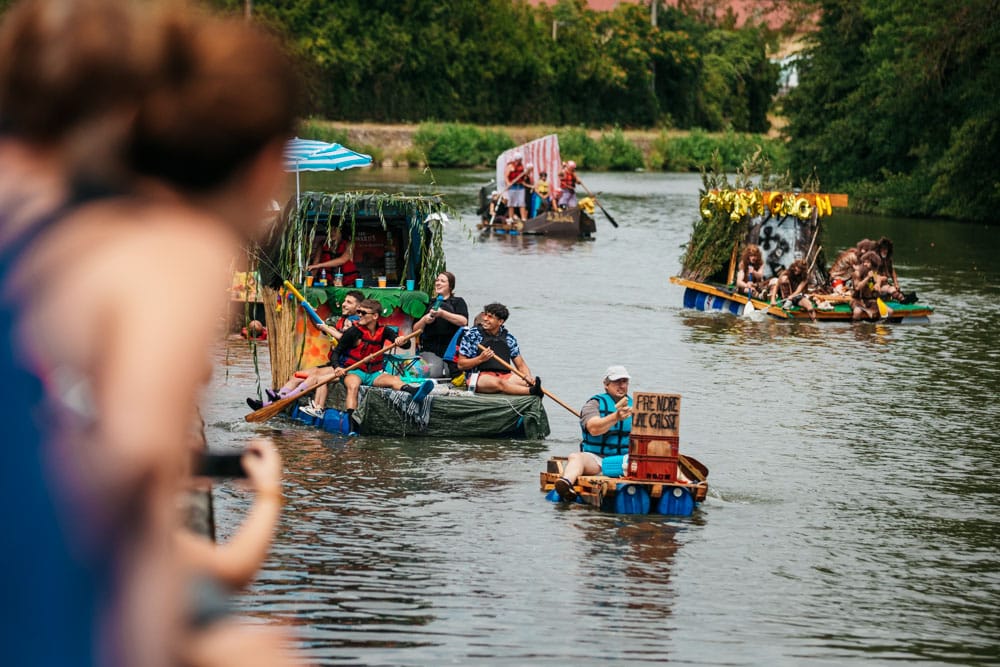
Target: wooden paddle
[610, 219]
[521, 375]
[272, 409]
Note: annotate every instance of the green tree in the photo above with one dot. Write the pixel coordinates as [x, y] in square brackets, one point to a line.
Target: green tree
[897, 102]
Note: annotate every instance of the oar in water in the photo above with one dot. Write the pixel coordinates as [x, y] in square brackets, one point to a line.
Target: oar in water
[610, 219]
[530, 382]
[272, 409]
[313, 315]
[883, 310]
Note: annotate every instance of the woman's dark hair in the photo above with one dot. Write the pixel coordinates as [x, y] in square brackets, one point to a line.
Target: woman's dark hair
[66, 62]
[451, 280]
[227, 90]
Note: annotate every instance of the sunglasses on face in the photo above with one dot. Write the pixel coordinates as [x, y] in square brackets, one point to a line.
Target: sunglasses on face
[362, 313]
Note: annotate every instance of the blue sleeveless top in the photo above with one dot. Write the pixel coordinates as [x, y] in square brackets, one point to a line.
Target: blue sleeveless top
[50, 591]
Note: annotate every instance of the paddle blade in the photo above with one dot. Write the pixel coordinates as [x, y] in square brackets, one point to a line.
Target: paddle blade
[748, 310]
[271, 409]
[883, 310]
[610, 219]
[693, 468]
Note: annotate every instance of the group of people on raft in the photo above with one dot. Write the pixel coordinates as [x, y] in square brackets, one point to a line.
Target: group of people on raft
[487, 353]
[864, 272]
[514, 203]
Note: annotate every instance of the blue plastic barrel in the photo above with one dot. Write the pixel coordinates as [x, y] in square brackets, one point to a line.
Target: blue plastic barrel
[631, 499]
[675, 502]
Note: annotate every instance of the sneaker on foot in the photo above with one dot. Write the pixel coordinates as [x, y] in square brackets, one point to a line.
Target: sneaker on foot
[536, 389]
[255, 404]
[565, 489]
[311, 410]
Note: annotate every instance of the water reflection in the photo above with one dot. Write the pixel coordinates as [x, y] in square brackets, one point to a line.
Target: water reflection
[854, 471]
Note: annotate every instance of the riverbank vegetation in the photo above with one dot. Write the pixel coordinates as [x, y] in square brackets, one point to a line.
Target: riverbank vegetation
[897, 105]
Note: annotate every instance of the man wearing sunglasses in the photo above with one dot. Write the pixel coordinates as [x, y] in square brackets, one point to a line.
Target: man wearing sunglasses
[366, 337]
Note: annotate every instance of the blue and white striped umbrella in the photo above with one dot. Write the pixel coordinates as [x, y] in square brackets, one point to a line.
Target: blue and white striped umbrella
[311, 155]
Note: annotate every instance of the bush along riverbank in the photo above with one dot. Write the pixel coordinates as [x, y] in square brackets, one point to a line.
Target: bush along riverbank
[461, 145]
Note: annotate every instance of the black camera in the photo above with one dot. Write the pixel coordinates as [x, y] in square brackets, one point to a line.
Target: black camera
[219, 465]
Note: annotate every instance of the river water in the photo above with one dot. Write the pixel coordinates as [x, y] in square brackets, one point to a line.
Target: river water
[853, 513]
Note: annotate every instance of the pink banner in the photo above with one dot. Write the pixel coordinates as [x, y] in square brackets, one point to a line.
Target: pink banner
[542, 154]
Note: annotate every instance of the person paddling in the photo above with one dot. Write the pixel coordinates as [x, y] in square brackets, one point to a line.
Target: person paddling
[486, 374]
[366, 337]
[606, 422]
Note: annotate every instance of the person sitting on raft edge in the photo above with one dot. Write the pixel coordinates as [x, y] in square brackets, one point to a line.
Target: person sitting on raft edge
[606, 422]
[484, 370]
[366, 337]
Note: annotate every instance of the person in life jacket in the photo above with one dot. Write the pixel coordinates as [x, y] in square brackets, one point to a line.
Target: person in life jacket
[516, 174]
[483, 368]
[336, 255]
[606, 429]
[317, 374]
[567, 185]
[366, 337]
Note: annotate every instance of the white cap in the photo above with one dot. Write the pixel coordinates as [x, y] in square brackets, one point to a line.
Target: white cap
[517, 155]
[616, 373]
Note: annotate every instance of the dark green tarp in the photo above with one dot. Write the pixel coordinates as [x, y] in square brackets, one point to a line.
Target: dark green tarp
[456, 414]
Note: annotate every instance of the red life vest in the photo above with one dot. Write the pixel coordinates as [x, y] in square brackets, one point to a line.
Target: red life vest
[370, 343]
[515, 173]
[567, 180]
[343, 324]
[348, 268]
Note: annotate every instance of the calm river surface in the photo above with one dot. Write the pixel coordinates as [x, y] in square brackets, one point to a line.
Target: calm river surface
[853, 514]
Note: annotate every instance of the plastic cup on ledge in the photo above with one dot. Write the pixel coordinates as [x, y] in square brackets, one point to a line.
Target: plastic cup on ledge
[309, 281]
[409, 285]
[359, 282]
[338, 280]
[381, 281]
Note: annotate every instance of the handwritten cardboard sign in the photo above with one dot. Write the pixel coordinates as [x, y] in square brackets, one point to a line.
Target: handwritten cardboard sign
[656, 415]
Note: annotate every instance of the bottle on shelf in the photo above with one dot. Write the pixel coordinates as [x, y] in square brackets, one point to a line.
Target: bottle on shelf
[322, 277]
[391, 274]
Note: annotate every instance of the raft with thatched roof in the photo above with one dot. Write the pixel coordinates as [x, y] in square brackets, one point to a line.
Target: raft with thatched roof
[409, 227]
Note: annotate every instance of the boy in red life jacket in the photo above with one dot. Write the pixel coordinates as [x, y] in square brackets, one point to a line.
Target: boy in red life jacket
[317, 374]
[567, 186]
[366, 337]
[483, 369]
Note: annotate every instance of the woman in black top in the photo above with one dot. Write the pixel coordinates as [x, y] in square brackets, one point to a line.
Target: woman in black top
[445, 315]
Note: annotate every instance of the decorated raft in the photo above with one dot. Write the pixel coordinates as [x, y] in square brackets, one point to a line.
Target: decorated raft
[397, 237]
[571, 223]
[655, 478]
[787, 226]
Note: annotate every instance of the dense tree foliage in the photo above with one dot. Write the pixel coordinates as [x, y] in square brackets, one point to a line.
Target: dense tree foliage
[897, 104]
[503, 61]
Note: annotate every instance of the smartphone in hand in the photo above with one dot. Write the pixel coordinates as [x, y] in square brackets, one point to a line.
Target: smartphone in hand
[219, 465]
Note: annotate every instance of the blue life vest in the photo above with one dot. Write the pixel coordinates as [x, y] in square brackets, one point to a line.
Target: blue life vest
[615, 441]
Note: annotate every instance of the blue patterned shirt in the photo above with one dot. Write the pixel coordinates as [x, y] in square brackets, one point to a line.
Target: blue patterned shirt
[473, 337]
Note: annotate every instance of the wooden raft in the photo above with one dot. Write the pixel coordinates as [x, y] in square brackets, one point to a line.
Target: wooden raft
[655, 465]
